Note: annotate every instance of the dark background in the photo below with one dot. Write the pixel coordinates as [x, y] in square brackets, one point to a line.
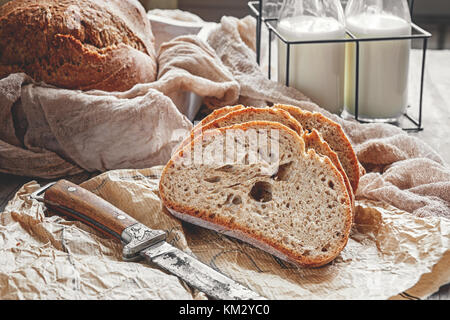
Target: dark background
[432, 15]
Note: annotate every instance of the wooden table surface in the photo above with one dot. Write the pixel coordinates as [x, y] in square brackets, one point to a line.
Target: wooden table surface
[436, 123]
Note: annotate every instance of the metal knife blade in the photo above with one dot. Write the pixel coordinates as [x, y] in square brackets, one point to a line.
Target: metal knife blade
[196, 273]
[68, 199]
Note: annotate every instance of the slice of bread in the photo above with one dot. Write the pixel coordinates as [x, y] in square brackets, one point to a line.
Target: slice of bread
[313, 140]
[254, 114]
[333, 134]
[238, 114]
[198, 128]
[290, 203]
[218, 113]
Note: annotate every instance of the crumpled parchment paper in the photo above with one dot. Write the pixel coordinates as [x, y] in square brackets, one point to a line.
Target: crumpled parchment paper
[390, 254]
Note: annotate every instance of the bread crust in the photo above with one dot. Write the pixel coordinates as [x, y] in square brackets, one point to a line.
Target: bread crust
[218, 113]
[289, 120]
[95, 44]
[209, 220]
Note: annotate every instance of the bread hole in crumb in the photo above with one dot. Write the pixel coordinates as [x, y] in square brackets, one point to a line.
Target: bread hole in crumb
[236, 200]
[331, 184]
[233, 199]
[283, 172]
[228, 200]
[214, 179]
[225, 168]
[326, 247]
[261, 191]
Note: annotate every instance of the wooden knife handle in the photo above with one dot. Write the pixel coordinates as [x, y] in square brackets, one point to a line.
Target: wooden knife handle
[72, 200]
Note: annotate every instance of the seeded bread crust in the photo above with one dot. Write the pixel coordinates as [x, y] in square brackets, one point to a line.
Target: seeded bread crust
[213, 220]
[333, 134]
[95, 44]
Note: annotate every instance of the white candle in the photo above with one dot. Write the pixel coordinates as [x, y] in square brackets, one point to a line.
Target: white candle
[317, 70]
[383, 67]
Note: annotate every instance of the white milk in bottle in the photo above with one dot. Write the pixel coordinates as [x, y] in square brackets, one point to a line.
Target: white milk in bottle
[317, 70]
[383, 67]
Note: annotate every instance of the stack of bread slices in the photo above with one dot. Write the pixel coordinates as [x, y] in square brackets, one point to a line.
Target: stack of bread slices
[280, 178]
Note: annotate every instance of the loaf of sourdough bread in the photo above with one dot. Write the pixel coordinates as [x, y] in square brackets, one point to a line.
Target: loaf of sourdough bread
[93, 44]
[295, 207]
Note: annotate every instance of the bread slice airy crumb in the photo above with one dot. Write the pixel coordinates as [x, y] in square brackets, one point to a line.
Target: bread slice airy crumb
[296, 208]
[236, 115]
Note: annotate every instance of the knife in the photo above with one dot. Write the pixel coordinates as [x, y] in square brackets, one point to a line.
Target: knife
[68, 199]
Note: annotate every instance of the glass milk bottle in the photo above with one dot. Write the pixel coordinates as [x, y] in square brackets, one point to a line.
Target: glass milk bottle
[383, 65]
[317, 70]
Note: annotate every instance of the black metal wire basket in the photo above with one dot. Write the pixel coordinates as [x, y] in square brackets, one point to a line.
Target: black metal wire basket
[417, 33]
